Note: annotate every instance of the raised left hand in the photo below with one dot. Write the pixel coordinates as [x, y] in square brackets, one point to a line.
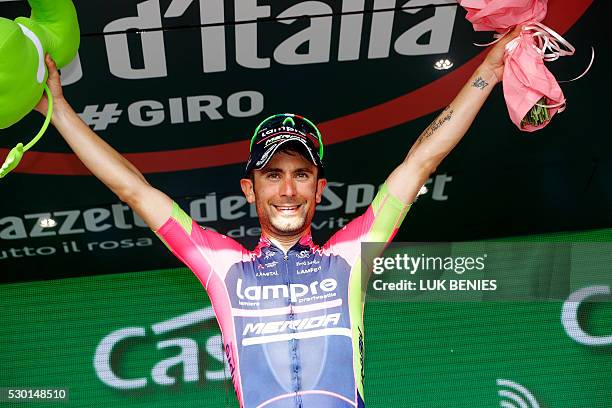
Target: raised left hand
[494, 61]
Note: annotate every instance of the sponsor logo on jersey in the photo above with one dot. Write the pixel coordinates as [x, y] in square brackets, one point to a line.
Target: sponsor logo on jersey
[308, 270]
[266, 274]
[282, 326]
[303, 254]
[306, 263]
[361, 362]
[293, 291]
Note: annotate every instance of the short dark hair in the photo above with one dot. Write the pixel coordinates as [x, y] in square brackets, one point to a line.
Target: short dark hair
[293, 149]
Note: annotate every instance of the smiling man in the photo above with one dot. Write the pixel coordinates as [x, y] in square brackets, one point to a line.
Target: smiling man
[290, 311]
[284, 199]
[285, 163]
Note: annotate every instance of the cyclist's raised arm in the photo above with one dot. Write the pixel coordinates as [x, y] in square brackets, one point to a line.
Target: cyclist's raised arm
[118, 174]
[441, 136]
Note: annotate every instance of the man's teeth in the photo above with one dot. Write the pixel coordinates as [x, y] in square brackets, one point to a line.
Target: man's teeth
[293, 207]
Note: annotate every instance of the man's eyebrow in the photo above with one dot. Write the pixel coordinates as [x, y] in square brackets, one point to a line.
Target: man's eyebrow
[279, 170]
[271, 170]
[303, 169]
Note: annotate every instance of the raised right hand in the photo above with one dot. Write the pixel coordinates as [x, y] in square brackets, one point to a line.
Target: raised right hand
[55, 86]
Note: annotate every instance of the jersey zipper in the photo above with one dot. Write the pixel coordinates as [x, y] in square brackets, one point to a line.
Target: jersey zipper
[295, 364]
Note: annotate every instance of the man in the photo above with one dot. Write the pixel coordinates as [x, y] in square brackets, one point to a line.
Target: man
[291, 312]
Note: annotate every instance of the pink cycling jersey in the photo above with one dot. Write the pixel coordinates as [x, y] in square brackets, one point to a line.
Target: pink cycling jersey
[292, 323]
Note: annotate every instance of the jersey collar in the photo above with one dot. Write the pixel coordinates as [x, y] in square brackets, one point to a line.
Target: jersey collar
[305, 241]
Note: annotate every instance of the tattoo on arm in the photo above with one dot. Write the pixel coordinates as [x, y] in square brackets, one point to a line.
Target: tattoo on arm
[445, 116]
[480, 83]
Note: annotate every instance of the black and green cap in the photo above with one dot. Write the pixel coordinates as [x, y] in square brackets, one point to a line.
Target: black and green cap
[278, 130]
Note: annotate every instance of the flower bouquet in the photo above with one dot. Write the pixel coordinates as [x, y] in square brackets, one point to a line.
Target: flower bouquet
[532, 93]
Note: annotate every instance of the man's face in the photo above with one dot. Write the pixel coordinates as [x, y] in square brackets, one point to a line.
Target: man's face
[285, 193]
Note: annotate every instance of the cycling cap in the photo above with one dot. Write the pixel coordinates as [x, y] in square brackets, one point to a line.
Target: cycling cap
[279, 129]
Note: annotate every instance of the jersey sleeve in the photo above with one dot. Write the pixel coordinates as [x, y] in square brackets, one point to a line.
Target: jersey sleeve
[379, 223]
[201, 249]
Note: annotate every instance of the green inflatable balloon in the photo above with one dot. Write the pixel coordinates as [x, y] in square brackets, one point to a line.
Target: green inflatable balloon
[52, 28]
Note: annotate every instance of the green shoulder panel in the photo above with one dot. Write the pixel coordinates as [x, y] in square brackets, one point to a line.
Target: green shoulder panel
[389, 213]
[182, 218]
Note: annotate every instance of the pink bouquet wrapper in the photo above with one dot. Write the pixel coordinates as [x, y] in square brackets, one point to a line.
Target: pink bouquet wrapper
[526, 80]
[501, 15]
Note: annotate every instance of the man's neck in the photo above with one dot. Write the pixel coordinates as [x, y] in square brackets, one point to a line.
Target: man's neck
[285, 242]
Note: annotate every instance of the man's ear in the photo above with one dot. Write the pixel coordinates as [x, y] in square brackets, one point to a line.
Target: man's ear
[247, 188]
[321, 183]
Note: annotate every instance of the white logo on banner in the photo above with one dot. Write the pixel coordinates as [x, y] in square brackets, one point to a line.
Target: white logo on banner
[516, 397]
[569, 316]
[187, 358]
[220, 52]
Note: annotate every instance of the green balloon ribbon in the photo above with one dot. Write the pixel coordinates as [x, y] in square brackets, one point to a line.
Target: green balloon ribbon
[16, 153]
[52, 28]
